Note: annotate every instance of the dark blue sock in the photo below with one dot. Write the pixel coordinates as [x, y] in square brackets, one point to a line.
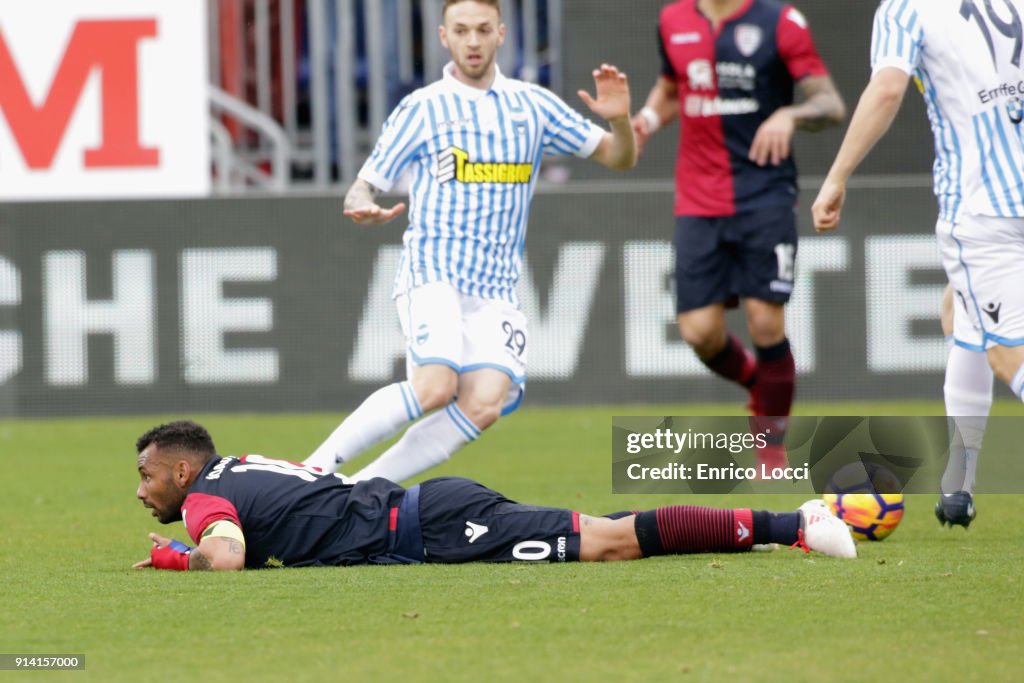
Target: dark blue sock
[776, 527]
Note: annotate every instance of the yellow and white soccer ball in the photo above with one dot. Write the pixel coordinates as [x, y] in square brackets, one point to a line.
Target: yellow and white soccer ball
[870, 516]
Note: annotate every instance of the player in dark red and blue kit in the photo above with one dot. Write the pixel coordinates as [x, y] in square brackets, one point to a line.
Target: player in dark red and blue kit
[254, 512]
[729, 68]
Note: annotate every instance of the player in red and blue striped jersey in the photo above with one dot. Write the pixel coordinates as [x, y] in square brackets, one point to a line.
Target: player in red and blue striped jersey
[729, 71]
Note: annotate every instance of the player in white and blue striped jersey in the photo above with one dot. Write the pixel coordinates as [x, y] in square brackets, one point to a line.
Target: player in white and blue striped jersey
[966, 58]
[473, 142]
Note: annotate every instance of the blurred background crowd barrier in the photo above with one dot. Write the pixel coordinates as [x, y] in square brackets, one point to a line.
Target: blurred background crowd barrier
[305, 85]
[322, 75]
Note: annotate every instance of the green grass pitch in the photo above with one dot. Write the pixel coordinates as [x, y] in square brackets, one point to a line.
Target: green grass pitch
[928, 604]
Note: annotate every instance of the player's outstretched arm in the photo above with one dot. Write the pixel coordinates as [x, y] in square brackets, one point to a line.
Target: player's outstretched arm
[213, 552]
[661, 107]
[875, 112]
[361, 204]
[617, 149]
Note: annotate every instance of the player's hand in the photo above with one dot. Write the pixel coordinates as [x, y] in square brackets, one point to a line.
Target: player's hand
[158, 541]
[771, 142]
[612, 94]
[828, 206]
[166, 553]
[374, 214]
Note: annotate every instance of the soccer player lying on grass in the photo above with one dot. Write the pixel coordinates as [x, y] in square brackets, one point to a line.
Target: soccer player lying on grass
[257, 512]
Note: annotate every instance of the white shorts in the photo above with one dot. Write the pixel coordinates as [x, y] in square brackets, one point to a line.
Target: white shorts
[444, 326]
[984, 261]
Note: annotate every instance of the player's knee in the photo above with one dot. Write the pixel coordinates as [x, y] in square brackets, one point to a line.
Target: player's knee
[1005, 361]
[482, 413]
[618, 552]
[704, 330]
[766, 336]
[701, 339]
[436, 392]
[690, 335]
[767, 328]
[608, 540]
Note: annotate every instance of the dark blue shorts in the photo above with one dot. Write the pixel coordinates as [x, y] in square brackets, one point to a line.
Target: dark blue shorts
[749, 255]
[463, 521]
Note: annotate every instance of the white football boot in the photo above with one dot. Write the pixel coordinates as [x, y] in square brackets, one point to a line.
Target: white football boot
[822, 531]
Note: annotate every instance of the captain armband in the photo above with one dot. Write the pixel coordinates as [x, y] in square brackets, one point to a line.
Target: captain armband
[225, 529]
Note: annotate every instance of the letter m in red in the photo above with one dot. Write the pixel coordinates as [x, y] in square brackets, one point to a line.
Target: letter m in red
[110, 46]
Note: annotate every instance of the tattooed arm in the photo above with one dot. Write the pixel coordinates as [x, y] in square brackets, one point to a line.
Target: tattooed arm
[218, 553]
[822, 107]
[361, 204]
[222, 546]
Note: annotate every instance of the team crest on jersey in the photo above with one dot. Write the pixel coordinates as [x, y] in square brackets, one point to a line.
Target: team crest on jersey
[748, 38]
[454, 164]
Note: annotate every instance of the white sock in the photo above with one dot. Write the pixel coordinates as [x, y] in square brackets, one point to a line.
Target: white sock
[426, 444]
[1017, 383]
[968, 394]
[379, 417]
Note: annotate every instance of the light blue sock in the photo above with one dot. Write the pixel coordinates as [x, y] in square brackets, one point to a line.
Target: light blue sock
[426, 444]
[968, 395]
[380, 416]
